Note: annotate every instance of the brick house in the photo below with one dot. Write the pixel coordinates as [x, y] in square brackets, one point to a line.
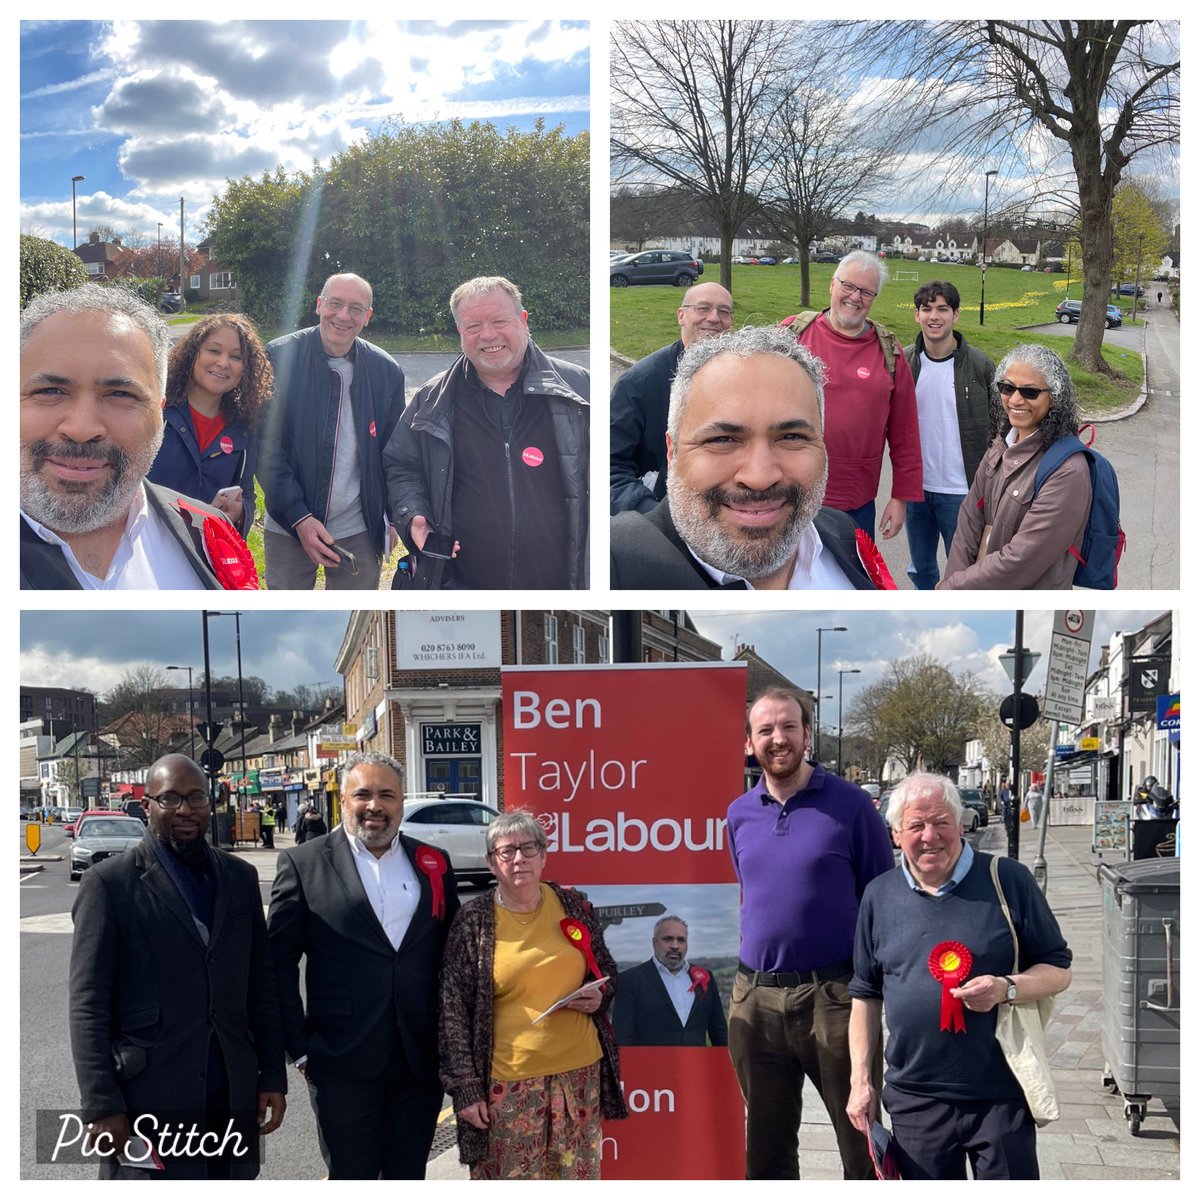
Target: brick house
[213, 282]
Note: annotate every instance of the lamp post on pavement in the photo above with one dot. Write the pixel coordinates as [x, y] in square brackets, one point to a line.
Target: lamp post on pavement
[191, 713]
[987, 177]
[74, 228]
[841, 672]
[817, 715]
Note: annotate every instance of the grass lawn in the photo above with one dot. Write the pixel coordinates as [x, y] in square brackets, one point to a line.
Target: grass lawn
[643, 318]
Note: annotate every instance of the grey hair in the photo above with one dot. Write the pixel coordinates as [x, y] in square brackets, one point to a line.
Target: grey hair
[864, 258]
[519, 823]
[912, 786]
[351, 275]
[741, 343]
[370, 758]
[663, 920]
[113, 301]
[1063, 417]
[481, 285]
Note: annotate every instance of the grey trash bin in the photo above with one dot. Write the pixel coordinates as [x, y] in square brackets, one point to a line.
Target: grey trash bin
[1140, 973]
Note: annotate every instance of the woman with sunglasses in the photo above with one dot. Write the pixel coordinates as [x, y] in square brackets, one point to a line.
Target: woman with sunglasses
[529, 1089]
[1006, 536]
[218, 379]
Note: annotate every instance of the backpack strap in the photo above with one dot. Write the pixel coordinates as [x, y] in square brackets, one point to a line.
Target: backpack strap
[799, 322]
[1057, 454]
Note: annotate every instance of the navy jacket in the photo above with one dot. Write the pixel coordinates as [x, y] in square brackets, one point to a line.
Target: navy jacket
[645, 1015]
[297, 443]
[181, 466]
[637, 430]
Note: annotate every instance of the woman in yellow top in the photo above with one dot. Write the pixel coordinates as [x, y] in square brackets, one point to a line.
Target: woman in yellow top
[529, 1094]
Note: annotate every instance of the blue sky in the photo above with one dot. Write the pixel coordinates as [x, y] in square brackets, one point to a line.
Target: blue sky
[94, 649]
[149, 111]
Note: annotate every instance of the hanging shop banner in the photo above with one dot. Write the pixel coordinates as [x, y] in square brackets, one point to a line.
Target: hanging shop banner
[631, 770]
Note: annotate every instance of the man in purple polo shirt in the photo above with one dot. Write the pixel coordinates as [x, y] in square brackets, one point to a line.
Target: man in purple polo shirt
[805, 844]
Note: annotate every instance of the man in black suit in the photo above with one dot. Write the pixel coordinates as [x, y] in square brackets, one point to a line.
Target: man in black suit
[668, 1001]
[369, 909]
[174, 1011]
[746, 475]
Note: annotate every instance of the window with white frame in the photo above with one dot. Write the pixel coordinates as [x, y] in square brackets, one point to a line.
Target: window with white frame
[551, 638]
[603, 647]
[194, 283]
[578, 645]
[220, 281]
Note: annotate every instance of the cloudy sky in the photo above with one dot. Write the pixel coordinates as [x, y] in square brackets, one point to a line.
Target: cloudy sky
[149, 111]
[95, 649]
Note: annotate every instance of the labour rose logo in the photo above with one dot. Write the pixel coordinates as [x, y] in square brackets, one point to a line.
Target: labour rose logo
[700, 979]
[872, 561]
[229, 556]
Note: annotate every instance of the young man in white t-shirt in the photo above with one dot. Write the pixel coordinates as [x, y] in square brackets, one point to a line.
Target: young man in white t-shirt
[954, 382]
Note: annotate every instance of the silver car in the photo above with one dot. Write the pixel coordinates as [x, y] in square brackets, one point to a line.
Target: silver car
[97, 838]
[457, 826]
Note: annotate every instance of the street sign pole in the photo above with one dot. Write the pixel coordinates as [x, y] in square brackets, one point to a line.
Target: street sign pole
[1014, 824]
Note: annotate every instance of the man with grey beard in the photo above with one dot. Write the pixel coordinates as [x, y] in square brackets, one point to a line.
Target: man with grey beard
[93, 375]
[746, 474]
[368, 909]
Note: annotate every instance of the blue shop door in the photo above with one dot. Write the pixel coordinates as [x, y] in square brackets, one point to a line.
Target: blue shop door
[455, 776]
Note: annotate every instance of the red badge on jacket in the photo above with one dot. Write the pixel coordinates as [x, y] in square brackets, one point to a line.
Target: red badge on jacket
[432, 865]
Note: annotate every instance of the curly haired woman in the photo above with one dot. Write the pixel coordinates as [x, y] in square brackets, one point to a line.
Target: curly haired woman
[218, 380]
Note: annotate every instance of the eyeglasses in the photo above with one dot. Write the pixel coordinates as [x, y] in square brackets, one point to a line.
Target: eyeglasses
[852, 289]
[707, 310]
[508, 853]
[1028, 391]
[357, 311]
[172, 800]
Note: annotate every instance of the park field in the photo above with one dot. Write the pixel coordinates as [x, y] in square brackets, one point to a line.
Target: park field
[642, 318]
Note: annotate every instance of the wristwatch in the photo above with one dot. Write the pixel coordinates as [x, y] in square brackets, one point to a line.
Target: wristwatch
[1010, 994]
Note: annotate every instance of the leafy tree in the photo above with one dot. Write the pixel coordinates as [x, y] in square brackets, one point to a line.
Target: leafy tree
[921, 713]
[1139, 238]
[47, 267]
[695, 105]
[997, 742]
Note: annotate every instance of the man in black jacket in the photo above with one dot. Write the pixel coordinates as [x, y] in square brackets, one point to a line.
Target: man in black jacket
[491, 456]
[746, 477]
[368, 909]
[637, 415]
[954, 382]
[668, 1001]
[336, 400]
[173, 1006]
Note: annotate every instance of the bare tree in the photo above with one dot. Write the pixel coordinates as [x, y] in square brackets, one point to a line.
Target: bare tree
[1068, 105]
[137, 719]
[827, 158]
[694, 106]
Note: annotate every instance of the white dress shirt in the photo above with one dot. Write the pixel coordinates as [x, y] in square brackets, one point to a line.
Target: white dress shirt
[147, 556]
[391, 885]
[814, 569]
[679, 988]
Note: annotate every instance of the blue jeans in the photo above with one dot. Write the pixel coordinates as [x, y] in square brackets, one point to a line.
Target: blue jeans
[864, 517]
[936, 515]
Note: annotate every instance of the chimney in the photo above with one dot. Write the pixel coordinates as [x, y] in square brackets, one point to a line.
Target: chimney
[275, 728]
[94, 238]
[297, 722]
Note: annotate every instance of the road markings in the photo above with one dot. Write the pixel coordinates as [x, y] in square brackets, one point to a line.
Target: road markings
[47, 923]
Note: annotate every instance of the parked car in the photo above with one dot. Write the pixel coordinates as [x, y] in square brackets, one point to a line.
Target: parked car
[457, 826]
[171, 302]
[655, 266]
[1026, 267]
[133, 808]
[766, 262]
[831, 258]
[872, 790]
[975, 813]
[884, 797]
[100, 836]
[790, 260]
[1068, 313]
[1127, 289]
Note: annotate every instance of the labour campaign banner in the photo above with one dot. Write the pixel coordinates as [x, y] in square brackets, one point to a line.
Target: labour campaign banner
[631, 769]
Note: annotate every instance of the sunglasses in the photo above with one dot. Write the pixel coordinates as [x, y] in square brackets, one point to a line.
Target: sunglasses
[1028, 391]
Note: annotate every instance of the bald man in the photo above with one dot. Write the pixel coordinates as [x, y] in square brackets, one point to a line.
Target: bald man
[337, 399]
[638, 412]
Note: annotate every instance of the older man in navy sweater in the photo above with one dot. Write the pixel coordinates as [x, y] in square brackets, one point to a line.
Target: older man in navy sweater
[949, 1091]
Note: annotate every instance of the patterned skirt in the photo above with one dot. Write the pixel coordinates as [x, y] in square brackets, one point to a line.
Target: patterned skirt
[547, 1127]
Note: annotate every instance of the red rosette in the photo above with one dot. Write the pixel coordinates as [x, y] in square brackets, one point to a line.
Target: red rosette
[432, 865]
[228, 555]
[577, 934]
[950, 963]
[700, 979]
[872, 561]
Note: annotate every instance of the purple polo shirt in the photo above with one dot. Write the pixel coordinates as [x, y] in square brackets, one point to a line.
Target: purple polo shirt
[803, 867]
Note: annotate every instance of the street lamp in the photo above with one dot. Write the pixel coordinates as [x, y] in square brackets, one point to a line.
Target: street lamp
[1137, 278]
[237, 618]
[817, 715]
[841, 672]
[191, 711]
[987, 176]
[74, 229]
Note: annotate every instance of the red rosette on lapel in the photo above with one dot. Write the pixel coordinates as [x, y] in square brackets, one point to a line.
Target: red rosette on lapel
[577, 934]
[872, 561]
[700, 979]
[432, 865]
[950, 964]
[228, 555]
